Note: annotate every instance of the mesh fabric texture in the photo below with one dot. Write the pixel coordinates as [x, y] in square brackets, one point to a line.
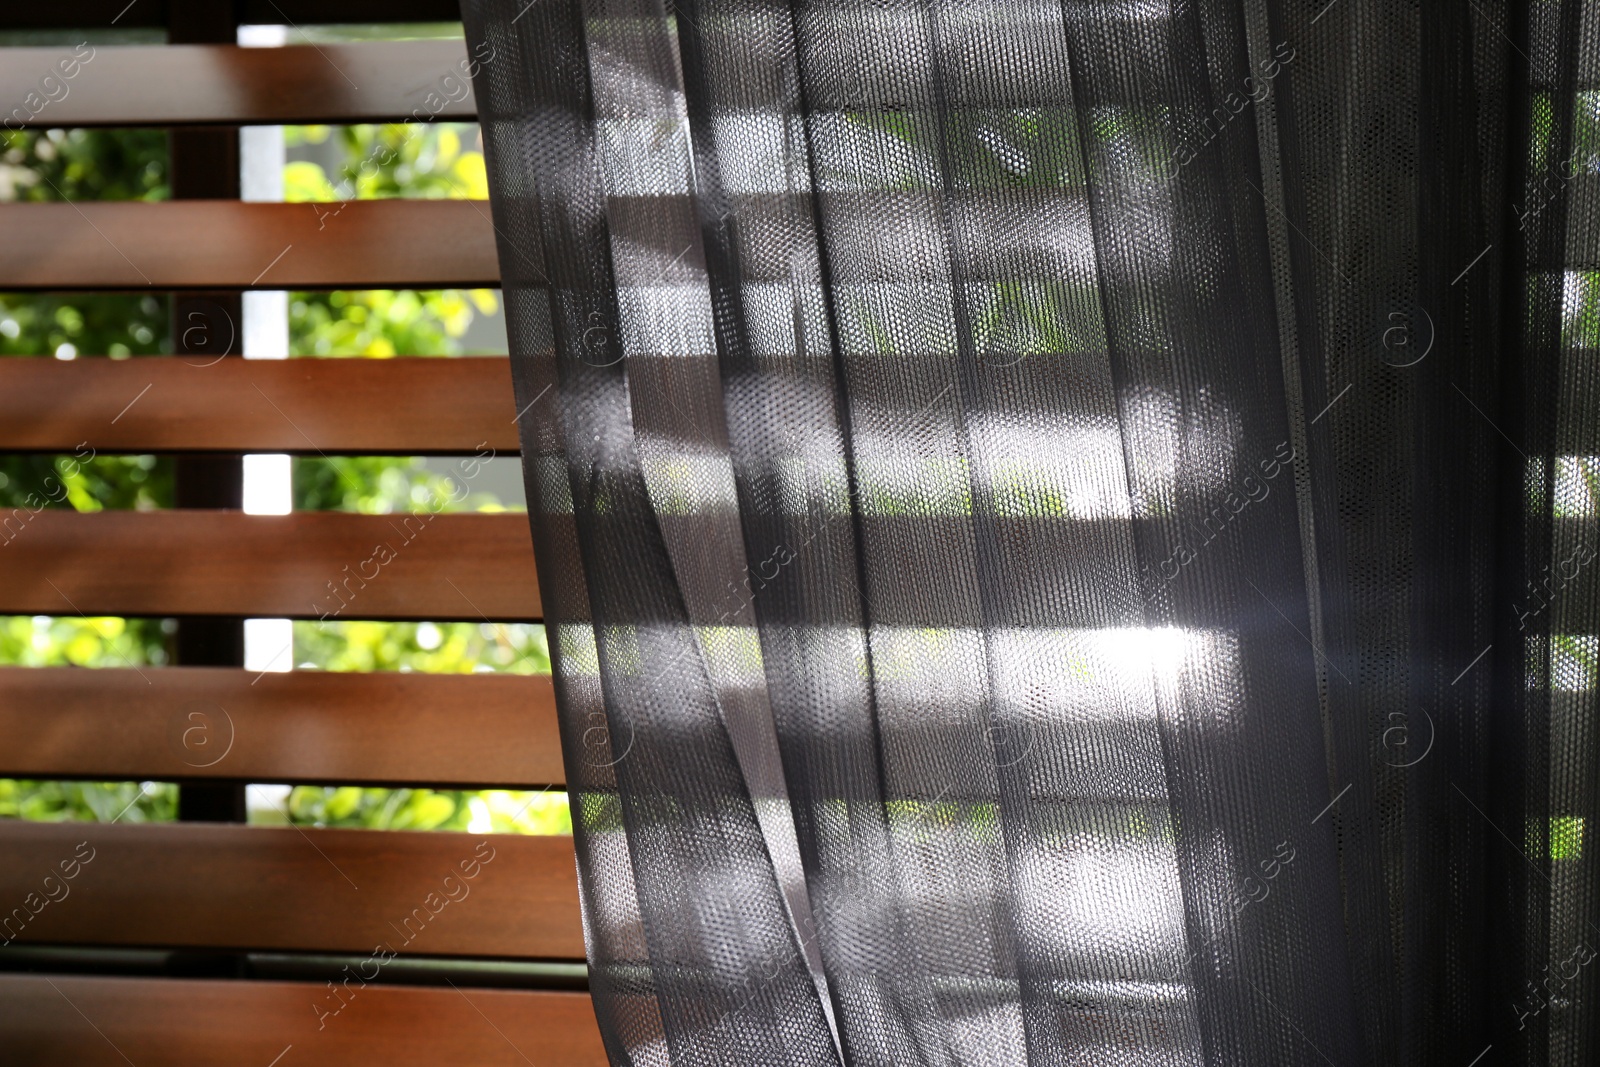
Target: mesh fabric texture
[1068, 530]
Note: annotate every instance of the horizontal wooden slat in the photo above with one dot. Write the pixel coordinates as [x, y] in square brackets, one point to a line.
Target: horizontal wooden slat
[171, 85]
[202, 403]
[192, 562]
[147, 13]
[186, 722]
[96, 1022]
[225, 244]
[191, 885]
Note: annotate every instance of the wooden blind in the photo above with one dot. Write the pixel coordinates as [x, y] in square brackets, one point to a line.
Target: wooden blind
[207, 889]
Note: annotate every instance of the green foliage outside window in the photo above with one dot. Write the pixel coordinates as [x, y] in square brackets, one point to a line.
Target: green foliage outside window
[384, 322]
[374, 485]
[80, 642]
[108, 324]
[54, 165]
[496, 811]
[74, 641]
[123, 802]
[84, 482]
[418, 161]
[432, 160]
[427, 647]
[84, 165]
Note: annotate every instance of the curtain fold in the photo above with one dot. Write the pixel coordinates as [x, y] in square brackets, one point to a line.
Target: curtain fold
[1067, 530]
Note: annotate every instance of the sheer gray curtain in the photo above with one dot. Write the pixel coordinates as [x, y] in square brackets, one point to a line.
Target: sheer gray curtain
[1068, 529]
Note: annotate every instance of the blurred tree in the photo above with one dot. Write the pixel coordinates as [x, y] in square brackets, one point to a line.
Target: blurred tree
[497, 811]
[131, 802]
[84, 165]
[73, 165]
[429, 647]
[46, 641]
[440, 648]
[85, 483]
[380, 485]
[414, 160]
[41, 641]
[54, 165]
[383, 322]
[368, 161]
[418, 161]
[106, 324]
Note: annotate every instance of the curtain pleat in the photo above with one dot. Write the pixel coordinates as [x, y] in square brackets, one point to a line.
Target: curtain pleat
[1068, 530]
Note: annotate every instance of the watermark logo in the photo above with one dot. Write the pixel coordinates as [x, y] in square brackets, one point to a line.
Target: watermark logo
[1540, 596]
[452, 888]
[207, 330]
[55, 492]
[346, 586]
[201, 734]
[1397, 739]
[597, 741]
[1005, 336]
[1408, 337]
[1012, 739]
[53, 889]
[1256, 89]
[1252, 890]
[595, 343]
[1553, 989]
[1234, 500]
[51, 87]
